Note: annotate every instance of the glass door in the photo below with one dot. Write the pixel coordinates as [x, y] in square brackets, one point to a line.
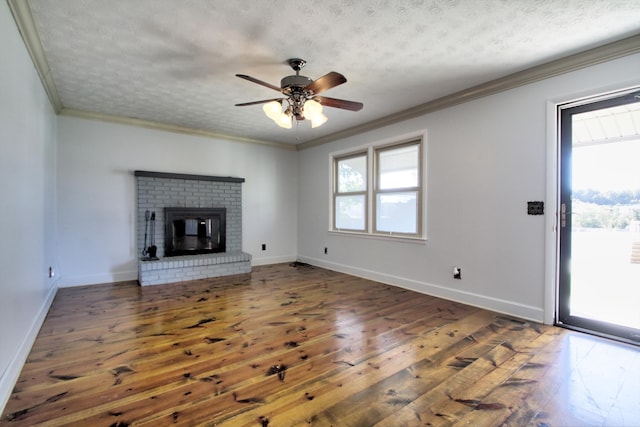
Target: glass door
[599, 265]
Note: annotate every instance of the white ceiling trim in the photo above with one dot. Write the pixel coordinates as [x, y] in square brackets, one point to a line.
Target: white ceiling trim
[167, 127]
[625, 47]
[619, 49]
[26, 26]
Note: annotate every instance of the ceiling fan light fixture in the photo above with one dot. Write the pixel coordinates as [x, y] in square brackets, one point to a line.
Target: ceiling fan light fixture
[300, 93]
[273, 110]
[283, 120]
[312, 108]
[313, 112]
[318, 120]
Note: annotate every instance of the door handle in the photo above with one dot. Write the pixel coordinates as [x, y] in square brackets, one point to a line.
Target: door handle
[563, 215]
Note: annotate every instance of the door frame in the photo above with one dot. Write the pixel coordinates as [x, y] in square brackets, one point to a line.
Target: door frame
[553, 185]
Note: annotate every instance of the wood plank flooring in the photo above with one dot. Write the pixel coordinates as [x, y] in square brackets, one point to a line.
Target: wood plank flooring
[303, 346]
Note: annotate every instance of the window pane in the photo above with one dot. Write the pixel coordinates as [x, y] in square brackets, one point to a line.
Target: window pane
[398, 167]
[350, 212]
[352, 174]
[397, 212]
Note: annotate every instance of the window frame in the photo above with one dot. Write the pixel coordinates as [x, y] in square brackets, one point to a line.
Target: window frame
[337, 193]
[371, 153]
[376, 191]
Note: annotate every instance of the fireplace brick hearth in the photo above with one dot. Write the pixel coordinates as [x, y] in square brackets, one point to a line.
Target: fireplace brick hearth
[158, 190]
[192, 267]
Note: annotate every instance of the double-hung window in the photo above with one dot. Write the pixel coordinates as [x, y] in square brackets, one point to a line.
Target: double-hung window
[350, 194]
[378, 190]
[397, 190]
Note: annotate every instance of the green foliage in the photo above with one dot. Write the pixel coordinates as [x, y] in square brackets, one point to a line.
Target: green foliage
[349, 179]
[611, 209]
[608, 197]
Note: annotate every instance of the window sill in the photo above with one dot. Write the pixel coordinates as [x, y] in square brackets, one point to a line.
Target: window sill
[391, 237]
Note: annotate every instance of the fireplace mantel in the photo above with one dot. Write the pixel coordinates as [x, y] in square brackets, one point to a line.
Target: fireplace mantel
[168, 175]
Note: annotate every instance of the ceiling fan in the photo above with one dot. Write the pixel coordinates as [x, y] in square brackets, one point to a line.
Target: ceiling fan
[301, 95]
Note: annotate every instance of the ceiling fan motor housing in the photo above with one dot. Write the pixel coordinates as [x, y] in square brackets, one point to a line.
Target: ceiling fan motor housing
[295, 82]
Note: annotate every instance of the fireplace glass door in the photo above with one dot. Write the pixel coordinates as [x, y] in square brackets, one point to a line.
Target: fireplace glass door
[194, 231]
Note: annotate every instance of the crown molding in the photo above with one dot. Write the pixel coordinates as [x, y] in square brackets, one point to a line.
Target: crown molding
[169, 128]
[26, 26]
[628, 46]
[608, 52]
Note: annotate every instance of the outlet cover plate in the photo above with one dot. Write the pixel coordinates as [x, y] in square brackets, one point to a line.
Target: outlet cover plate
[535, 208]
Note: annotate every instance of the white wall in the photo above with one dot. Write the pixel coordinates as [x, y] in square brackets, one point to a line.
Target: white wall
[97, 196]
[486, 159]
[27, 203]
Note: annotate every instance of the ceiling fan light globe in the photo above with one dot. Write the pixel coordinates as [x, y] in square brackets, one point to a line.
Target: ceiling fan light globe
[283, 120]
[318, 120]
[272, 109]
[312, 109]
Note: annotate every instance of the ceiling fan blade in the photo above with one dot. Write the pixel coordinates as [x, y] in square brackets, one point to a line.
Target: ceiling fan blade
[264, 101]
[339, 103]
[326, 82]
[260, 82]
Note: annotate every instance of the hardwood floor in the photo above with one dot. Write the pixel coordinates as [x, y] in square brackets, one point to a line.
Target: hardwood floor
[304, 346]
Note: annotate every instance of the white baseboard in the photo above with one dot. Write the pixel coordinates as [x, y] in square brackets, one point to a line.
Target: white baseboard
[272, 260]
[511, 308]
[11, 374]
[69, 282]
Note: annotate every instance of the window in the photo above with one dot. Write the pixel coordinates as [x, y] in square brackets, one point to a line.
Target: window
[350, 198]
[397, 189]
[379, 190]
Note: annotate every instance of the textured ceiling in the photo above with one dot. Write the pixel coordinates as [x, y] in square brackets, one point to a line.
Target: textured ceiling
[174, 62]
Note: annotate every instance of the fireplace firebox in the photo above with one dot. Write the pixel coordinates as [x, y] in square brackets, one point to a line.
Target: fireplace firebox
[190, 231]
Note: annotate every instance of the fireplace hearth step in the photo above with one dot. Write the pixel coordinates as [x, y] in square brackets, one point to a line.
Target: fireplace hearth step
[192, 267]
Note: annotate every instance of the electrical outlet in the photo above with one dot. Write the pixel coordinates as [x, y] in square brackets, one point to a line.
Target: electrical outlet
[535, 208]
[52, 272]
[326, 251]
[264, 246]
[457, 273]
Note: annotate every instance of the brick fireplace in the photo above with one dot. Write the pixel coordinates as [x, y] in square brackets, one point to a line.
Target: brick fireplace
[192, 193]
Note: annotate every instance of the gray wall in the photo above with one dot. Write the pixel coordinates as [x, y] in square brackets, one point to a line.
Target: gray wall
[97, 214]
[485, 159]
[27, 202]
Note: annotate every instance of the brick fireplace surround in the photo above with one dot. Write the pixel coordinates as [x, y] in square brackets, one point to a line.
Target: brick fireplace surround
[157, 190]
